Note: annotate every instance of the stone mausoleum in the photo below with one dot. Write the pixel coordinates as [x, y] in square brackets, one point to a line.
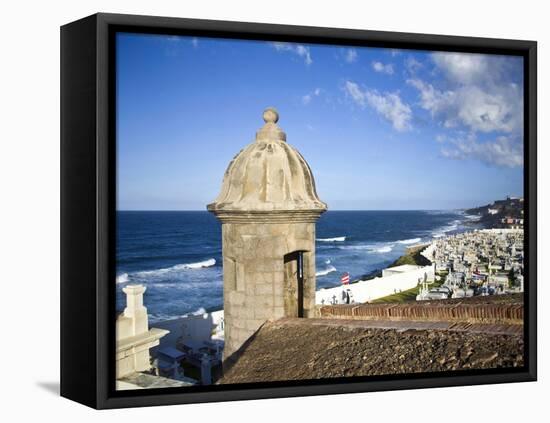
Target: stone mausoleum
[268, 207]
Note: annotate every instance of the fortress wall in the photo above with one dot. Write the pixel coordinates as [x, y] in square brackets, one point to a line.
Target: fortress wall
[365, 291]
[509, 313]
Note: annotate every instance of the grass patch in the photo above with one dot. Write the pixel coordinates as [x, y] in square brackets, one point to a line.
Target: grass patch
[406, 296]
[412, 256]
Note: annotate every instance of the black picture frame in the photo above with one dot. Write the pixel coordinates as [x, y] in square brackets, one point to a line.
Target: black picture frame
[88, 199]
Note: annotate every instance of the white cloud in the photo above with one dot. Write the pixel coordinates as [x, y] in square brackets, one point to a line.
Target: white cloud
[477, 101]
[463, 68]
[433, 100]
[306, 99]
[351, 55]
[413, 65]
[476, 94]
[488, 111]
[498, 109]
[297, 49]
[388, 105]
[355, 92]
[195, 42]
[503, 151]
[383, 68]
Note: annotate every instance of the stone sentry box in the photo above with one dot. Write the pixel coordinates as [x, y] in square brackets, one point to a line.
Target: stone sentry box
[268, 207]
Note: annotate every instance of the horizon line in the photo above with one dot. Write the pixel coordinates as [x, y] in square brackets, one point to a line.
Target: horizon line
[204, 210]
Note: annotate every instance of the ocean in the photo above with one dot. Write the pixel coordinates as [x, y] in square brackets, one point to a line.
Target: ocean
[177, 255]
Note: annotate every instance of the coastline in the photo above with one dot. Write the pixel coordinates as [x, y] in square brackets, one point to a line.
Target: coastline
[412, 256]
[363, 247]
[362, 292]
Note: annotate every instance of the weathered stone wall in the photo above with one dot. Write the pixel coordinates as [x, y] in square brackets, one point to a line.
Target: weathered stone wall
[258, 285]
[499, 312]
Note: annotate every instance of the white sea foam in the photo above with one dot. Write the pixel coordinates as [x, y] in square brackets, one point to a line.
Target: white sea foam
[329, 269]
[327, 261]
[472, 217]
[410, 241]
[437, 212]
[336, 239]
[178, 267]
[373, 248]
[198, 312]
[441, 232]
[161, 317]
[173, 283]
[356, 247]
[199, 265]
[122, 278]
[381, 250]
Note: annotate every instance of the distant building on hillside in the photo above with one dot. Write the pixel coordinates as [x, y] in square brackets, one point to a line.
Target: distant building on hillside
[512, 222]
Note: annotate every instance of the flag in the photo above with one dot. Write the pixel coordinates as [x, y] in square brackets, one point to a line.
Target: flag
[345, 278]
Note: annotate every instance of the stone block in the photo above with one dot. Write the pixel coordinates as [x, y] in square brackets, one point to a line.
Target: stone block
[236, 298]
[263, 313]
[265, 289]
[253, 325]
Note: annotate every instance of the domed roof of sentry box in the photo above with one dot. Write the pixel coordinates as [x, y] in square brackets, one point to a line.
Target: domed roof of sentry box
[268, 175]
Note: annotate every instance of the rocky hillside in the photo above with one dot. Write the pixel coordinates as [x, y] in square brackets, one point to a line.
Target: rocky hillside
[492, 214]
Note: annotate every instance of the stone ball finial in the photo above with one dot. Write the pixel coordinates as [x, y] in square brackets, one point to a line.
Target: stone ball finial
[271, 115]
[270, 131]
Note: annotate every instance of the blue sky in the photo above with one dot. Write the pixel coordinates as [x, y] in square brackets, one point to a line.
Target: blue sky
[380, 128]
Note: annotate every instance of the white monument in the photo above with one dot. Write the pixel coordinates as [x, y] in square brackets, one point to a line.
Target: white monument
[133, 336]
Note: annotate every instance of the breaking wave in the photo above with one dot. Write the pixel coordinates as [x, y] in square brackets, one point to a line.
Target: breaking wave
[472, 217]
[178, 267]
[409, 241]
[329, 269]
[206, 263]
[336, 239]
[381, 250]
[442, 231]
[162, 317]
[373, 248]
[200, 311]
[122, 278]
